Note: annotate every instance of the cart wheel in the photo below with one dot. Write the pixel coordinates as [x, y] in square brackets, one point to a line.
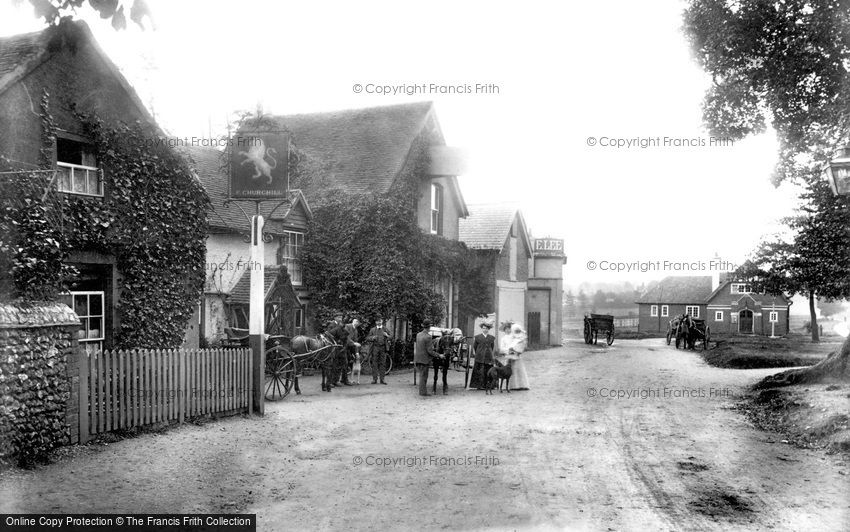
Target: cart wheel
[610, 337]
[588, 334]
[389, 361]
[280, 375]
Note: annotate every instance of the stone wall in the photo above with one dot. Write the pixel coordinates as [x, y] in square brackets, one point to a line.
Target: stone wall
[39, 379]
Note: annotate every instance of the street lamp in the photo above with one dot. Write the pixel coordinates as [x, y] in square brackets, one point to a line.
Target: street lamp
[837, 172]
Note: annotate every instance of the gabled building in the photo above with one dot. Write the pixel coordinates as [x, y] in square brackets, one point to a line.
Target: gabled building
[67, 64]
[727, 306]
[363, 152]
[369, 151]
[497, 232]
[225, 302]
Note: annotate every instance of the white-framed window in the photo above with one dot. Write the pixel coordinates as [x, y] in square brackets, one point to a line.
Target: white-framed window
[718, 315]
[693, 310]
[653, 310]
[774, 316]
[89, 307]
[77, 169]
[665, 311]
[742, 288]
[436, 209]
[290, 255]
[298, 319]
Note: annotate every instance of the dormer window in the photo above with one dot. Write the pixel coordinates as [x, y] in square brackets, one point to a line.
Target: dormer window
[741, 288]
[77, 167]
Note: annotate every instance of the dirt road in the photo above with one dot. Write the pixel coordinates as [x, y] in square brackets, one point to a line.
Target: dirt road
[670, 453]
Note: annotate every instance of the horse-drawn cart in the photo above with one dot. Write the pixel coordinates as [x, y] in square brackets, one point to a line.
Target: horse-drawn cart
[598, 323]
[283, 365]
[688, 332]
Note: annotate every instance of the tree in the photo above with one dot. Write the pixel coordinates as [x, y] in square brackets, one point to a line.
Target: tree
[56, 11]
[786, 62]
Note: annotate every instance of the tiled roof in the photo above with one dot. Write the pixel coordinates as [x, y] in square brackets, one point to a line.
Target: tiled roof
[20, 54]
[364, 148]
[679, 290]
[207, 164]
[241, 293]
[17, 50]
[487, 225]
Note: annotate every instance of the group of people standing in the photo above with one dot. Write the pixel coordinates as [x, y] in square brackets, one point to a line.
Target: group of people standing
[513, 344]
[378, 340]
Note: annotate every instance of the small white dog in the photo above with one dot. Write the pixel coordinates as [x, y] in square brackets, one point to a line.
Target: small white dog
[355, 369]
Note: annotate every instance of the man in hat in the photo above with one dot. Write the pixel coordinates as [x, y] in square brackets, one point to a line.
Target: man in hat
[339, 365]
[483, 347]
[353, 330]
[423, 353]
[379, 340]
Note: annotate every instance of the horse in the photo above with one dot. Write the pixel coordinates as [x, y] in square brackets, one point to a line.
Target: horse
[685, 333]
[444, 345]
[328, 343]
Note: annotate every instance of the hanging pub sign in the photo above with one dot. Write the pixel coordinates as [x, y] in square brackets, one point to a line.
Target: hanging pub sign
[259, 165]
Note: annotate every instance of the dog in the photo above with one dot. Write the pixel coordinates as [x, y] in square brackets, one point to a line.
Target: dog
[355, 369]
[501, 372]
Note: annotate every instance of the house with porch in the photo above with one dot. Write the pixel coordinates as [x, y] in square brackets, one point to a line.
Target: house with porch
[726, 304]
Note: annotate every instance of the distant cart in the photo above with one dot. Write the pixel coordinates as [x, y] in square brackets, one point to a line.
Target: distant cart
[596, 324]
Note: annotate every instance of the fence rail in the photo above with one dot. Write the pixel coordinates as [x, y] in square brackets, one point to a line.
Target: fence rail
[122, 389]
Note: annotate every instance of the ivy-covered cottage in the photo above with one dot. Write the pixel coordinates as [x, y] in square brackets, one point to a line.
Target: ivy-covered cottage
[726, 304]
[355, 154]
[98, 211]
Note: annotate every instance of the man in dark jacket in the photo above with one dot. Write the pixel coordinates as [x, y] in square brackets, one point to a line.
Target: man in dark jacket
[379, 340]
[339, 365]
[353, 330]
[423, 353]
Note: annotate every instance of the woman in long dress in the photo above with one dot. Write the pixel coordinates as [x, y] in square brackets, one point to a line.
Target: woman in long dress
[515, 344]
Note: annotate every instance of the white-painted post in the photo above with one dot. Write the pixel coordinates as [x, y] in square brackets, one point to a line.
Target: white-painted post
[256, 311]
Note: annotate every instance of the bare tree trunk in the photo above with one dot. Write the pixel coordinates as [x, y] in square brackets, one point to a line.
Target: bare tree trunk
[814, 318]
[834, 367]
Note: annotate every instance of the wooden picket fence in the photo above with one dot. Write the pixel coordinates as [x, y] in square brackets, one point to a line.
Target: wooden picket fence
[122, 389]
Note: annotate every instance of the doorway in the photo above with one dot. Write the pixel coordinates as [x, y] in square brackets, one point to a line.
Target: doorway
[745, 321]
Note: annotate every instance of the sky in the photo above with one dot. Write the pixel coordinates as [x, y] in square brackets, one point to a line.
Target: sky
[587, 115]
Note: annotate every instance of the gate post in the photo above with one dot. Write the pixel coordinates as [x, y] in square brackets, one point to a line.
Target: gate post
[83, 383]
[256, 311]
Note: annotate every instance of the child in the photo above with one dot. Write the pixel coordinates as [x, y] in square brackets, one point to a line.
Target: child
[355, 369]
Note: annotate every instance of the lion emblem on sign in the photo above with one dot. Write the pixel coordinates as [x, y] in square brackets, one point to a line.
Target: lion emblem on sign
[257, 155]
